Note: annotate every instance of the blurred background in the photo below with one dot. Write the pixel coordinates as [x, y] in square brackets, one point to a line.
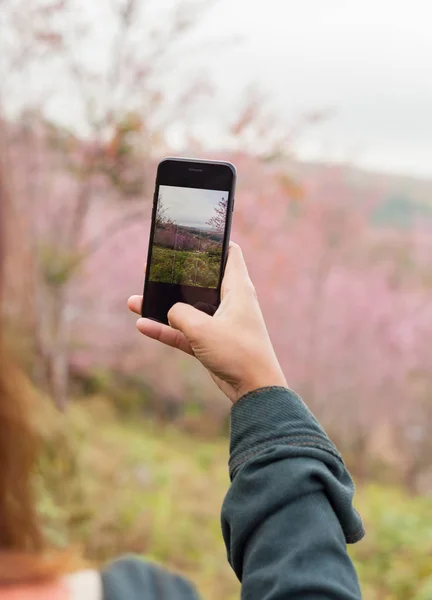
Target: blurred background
[325, 108]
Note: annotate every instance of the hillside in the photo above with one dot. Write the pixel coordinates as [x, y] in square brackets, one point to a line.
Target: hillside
[346, 295]
[403, 199]
[165, 493]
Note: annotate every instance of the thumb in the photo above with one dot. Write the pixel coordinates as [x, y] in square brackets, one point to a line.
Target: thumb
[236, 275]
[187, 319]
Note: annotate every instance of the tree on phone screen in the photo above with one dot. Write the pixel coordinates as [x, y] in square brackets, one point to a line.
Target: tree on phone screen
[218, 220]
[162, 219]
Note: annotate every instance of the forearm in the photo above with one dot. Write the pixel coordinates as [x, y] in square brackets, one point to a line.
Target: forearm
[288, 514]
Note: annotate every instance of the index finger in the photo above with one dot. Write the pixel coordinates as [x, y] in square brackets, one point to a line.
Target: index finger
[135, 304]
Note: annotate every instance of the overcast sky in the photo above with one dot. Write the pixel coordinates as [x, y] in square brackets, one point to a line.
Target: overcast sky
[369, 61]
[190, 207]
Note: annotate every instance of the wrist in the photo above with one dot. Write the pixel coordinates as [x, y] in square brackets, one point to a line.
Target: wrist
[256, 383]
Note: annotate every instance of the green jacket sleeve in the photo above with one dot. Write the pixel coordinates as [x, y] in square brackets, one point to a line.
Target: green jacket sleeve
[288, 513]
[131, 578]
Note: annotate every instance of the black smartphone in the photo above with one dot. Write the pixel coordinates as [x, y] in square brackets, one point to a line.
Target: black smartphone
[189, 237]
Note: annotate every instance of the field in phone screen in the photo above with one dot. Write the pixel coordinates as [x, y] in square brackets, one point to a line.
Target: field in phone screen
[188, 236]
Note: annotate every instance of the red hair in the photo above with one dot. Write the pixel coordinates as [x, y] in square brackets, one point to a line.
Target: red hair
[24, 555]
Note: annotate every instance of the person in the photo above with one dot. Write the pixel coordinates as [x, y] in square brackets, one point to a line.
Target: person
[287, 516]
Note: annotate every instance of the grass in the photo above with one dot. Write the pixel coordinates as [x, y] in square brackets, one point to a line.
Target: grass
[201, 269]
[115, 487]
[394, 561]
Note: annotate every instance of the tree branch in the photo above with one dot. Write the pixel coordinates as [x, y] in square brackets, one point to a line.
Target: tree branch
[113, 228]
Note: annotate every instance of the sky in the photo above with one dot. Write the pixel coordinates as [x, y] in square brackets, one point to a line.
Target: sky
[366, 64]
[190, 207]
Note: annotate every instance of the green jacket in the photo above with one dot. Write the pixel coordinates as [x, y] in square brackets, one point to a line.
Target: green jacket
[286, 518]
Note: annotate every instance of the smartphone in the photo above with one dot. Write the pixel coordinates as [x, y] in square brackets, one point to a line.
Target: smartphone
[189, 237]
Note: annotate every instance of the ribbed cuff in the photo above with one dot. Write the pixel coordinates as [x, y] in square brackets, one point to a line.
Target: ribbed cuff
[271, 415]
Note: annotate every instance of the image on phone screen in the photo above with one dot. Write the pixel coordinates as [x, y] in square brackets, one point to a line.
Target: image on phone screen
[188, 236]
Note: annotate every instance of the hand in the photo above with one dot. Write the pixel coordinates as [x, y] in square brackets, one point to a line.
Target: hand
[234, 344]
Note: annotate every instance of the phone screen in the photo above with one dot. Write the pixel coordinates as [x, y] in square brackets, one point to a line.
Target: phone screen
[189, 237]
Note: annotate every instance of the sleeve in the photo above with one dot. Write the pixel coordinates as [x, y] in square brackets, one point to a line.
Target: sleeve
[288, 514]
[131, 578]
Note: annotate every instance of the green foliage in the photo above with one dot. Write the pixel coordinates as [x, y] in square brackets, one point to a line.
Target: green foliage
[400, 212]
[193, 409]
[61, 478]
[120, 158]
[165, 491]
[394, 560]
[58, 265]
[201, 269]
[129, 394]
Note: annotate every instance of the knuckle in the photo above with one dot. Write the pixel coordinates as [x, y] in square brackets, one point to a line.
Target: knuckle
[197, 330]
[177, 339]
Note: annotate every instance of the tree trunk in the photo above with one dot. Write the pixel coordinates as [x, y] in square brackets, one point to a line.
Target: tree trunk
[411, 479]
[52, 341]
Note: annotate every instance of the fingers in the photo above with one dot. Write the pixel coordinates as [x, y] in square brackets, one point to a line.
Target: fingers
[187, 319]
[236, 273]
[135, 304]
[164, 334]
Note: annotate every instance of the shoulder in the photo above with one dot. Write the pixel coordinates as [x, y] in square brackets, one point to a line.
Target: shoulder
[131, 578]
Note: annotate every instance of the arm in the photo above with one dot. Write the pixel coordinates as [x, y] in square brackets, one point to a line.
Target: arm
[288, 514]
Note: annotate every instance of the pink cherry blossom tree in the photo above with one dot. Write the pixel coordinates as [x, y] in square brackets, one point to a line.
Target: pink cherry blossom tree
[123, 113]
